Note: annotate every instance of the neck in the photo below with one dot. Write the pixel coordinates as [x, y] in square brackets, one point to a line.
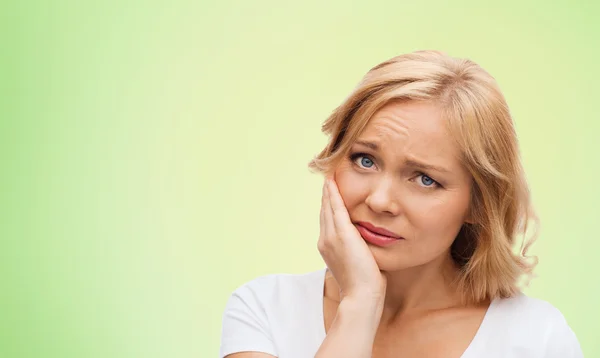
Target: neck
[421, 288]
[413, 290]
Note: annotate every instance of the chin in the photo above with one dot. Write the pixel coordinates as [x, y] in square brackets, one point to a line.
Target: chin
[398, 260]
[389, 261]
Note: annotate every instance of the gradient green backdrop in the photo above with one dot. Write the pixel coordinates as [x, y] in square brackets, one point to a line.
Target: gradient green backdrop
[154, 154]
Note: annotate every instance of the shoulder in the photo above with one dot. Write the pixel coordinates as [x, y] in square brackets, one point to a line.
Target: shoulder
[534, 322]
[260, 312]
[274, 287]
[273, 296]
[529, 310]
[526, 307]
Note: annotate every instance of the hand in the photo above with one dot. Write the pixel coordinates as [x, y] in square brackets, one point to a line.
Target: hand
[345, 252]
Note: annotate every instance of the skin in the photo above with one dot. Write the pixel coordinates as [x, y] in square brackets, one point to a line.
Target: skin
[426, 207]
[396, 300]
[419, 311]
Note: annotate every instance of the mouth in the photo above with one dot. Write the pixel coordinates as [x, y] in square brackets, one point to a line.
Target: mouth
[376, 235]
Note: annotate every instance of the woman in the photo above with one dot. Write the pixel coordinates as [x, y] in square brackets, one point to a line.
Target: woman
[423, 203]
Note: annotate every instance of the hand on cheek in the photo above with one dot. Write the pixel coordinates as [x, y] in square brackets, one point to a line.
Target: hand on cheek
[344, 250]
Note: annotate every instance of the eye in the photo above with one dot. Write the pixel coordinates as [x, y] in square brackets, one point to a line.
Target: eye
[366, 162]
[362, 160]
[427, 181]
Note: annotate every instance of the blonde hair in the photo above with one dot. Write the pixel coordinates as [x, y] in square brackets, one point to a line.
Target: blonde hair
[479, 119]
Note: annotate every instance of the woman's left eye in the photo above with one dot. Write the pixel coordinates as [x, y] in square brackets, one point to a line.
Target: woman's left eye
[426, 181]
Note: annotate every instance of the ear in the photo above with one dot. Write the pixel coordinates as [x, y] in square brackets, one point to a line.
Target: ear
[470, 219]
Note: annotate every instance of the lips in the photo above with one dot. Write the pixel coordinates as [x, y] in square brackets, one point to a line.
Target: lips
[378, 230]
[377, 238]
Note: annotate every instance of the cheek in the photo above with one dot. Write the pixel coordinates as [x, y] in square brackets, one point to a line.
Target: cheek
[350, 184]
[440, 216]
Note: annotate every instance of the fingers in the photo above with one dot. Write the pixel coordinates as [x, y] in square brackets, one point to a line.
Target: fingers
[329, 225]
[327, 228]
[341, 217]
[337, 205]
[335, 223]
[321, 241]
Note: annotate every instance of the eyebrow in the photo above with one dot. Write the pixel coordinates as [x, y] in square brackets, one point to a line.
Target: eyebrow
[409, 162]
[415, 164]
[371, 145]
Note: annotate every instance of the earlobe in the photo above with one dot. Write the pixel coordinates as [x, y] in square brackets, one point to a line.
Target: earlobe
[469, 219]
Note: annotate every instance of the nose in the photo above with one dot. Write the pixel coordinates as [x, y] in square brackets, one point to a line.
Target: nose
[383, 197]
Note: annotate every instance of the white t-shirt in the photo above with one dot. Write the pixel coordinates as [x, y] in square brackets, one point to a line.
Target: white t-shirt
[282, 315]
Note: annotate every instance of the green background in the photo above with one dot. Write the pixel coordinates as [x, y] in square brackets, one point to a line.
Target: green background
[154, 154]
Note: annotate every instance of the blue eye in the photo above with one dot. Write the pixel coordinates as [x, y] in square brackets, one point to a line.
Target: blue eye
[362, 160]
[427, 181]
[366, 162]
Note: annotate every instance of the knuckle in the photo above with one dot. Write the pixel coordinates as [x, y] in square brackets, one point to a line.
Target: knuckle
[325, 244]
[321, 246]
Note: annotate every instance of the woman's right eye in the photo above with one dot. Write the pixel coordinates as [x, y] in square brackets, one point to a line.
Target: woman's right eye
[362, 160]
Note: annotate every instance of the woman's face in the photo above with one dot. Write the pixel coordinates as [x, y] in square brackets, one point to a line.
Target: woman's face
[404, 174]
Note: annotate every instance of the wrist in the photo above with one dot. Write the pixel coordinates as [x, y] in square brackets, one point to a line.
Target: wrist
[353, 330]
[365, 310]
[364, 297]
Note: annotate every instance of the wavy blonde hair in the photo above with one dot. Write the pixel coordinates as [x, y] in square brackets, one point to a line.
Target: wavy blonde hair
[491, 263]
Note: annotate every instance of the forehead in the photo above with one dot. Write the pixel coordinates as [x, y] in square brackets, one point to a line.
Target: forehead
[412, 129]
